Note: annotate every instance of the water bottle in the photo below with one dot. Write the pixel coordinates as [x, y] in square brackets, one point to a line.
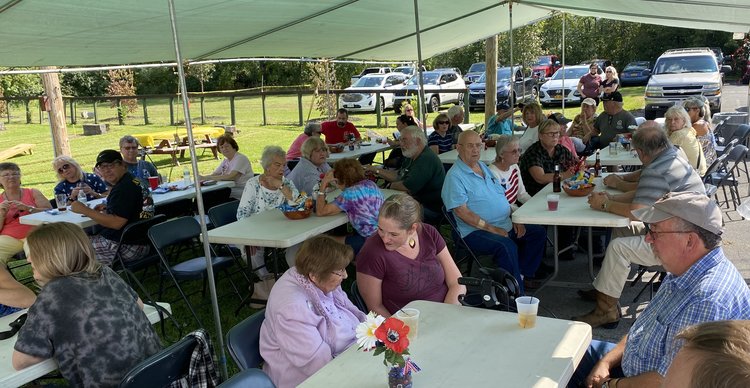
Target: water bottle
[186, 177]
[82, 196]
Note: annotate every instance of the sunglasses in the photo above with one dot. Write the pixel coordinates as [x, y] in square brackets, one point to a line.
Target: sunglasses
[64, 167]
[443, 122]
[15, 326]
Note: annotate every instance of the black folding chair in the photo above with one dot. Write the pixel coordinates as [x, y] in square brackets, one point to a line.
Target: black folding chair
[357, 298]
[462, 249]
[254, 378]
[243, 341]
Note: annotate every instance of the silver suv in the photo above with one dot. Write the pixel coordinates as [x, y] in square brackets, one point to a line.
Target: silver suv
[682, 73]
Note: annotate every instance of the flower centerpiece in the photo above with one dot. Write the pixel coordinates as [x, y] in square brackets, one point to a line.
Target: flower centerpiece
[388, 336]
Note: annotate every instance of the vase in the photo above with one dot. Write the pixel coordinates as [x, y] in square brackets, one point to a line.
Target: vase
[397, 378]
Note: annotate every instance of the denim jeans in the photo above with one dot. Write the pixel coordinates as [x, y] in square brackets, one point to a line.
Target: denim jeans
[517, 255]
[596, 350]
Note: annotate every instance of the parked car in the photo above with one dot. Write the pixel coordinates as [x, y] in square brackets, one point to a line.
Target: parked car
[457, 70]
[365, 102]
[554, 90]
[524, 88]
[636, 73]
[370, 70]
[475, 71]
[545, 67]
[682, 73]
[435, 82]
[409, 71]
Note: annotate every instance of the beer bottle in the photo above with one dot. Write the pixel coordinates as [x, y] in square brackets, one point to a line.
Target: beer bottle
[556, 179]
[597, 165]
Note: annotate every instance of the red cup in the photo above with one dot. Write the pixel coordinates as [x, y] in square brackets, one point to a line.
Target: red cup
[552, 201]
[153, 182]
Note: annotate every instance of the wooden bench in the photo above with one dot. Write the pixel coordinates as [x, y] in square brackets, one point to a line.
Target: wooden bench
[165, 147]
[20, 149]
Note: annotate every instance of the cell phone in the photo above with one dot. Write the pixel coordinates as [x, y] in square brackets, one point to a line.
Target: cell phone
[397, 135]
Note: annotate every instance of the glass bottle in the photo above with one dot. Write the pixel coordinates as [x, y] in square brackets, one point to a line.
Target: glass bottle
[597, 166]
[556, 180]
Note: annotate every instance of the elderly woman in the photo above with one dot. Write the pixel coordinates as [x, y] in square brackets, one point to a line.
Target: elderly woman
[73, 179]
[235, 166]
[610, 83]
[681, 134]
[505, 169]
[311, 166]
[407, 260]
[312, 129]
[700, 114]
[16, 202]
[114, 336]
[266, 191]
[582, 128]
[439, 140]
[538, 162]
[309, 319]
[360, 199]
[532, 116]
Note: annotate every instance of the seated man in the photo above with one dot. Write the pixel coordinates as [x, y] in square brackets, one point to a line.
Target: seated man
[14, 296]
[482, 212]
[612, 122]
[663, 171]
[456, 116]
[334, 131]
[702, 285]
[136, 167]
[421, 173]
[124, 205]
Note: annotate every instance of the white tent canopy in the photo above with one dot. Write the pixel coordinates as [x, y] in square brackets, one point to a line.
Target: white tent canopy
[85, 32]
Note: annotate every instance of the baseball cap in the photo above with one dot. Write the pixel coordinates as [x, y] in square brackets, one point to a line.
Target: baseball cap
[559, 118]
[693, 207]
[107, 156]
[589, 101]
[614, 96]
[502, 106]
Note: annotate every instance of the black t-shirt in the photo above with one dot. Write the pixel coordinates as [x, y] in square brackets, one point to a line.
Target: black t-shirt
[125, 200]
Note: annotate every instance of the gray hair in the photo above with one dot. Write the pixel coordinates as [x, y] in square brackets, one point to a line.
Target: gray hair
[699, 102]
[311, 127]
[403, 209]
[128, 139]
[502, 141]
[416, 133]
[454, 110]
[680, 112]
[269, 152]
[312, 144]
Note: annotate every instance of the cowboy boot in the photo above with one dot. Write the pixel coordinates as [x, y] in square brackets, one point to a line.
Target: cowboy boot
[588, 295]
[606, 314]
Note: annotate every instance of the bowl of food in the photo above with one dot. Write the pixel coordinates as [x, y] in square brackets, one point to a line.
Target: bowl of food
[335, 149]
[578, 189]
[490, 143]
[297, 214]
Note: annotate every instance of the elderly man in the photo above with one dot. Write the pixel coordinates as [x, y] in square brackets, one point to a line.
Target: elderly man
[334, 131]
[456, 115]
[312, 129]
[124, 205]
[613, 121]
[421, 173]
[482, 212]
[664, 171]
[702, 285]
[136, 168]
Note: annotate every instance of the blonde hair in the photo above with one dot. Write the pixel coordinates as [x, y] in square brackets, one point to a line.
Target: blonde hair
[321, 255]
[60, 249]
[536, 109]
[403, 209]
[311, 145]
[64, 159]
[613, 70]
[723, 348]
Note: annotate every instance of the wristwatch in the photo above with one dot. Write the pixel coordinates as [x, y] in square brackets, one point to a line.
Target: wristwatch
[607, 385]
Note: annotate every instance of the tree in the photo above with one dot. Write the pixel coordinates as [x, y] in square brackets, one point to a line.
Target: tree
[121, 84]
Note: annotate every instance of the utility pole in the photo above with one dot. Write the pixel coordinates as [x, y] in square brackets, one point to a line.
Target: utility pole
[56, 113]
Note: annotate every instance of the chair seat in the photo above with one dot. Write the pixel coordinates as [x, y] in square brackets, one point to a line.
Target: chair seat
[196, 268]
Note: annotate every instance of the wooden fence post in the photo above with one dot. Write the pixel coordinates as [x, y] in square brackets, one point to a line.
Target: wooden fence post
[120, 115]
[145, 112]
[171, 110]
[28, 112]
[96, 116]
[299, 108]
[263, 107]
[72, 111]
[231, 110]
[203, 110]
[378, 108]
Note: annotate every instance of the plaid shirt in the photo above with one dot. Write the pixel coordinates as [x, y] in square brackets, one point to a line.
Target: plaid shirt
[711, 290]
[202, 370]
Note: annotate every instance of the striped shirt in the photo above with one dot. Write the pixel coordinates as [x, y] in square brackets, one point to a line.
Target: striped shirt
[667, 172]
[511, 180]
[710, 290]
[444, 143]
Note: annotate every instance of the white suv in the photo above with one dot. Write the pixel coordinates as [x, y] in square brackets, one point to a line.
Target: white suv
[355, 101]
[441, 87]
[682, 73]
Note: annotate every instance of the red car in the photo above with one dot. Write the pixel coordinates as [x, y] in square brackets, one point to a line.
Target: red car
[545, 66]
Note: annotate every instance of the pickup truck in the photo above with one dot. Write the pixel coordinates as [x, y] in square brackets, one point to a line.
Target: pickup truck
[545, 66]
[524, 88]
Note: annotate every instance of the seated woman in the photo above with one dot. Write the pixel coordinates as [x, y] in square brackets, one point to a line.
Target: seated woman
[360, 199]
[14, 296]
[407, 260]
[312, 129]
[307, 174]
[409, 111]
[309, 318]
[440, 141]
[235, 166]
[532, 116]
[114, 336]
[700, 116]
[682, 134]
[16, 202]
[505, 169]
[73, 179]
[582, 128]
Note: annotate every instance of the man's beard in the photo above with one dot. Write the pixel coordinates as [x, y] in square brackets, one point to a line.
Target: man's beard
[341, 124]
[410, 151]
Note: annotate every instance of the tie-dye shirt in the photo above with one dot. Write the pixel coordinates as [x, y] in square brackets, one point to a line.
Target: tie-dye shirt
[361, 203]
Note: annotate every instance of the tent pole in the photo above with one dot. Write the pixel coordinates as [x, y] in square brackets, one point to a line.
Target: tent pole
[562, 89]
[328, 91]
[199, 198]
[512, 68]
[419, 66]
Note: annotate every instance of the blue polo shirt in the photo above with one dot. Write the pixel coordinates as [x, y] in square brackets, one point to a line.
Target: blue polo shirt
[482, 195]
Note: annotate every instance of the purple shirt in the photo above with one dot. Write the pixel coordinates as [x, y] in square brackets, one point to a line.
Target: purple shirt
[404, 279]
[591, 84]
[361, 202]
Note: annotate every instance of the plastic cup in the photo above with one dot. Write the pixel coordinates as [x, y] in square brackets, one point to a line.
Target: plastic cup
[62, 202]
[153, 182]
[613, 148]
[552, 202]
[527, 307]
[410, 317]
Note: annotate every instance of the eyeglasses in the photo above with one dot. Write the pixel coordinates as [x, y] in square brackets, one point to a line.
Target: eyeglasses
[607, 71]
[64, 167]
[340, 273]
[552, 134]
[513, 151]
[130, 148]
[694, 108]
[10, 175]
[443, 122]
[106, 166]
[410, 110]
[472, 145]
[655, 235]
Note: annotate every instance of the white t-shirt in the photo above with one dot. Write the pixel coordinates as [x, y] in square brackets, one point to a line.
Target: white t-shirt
[241, 164]
[512, 183]
[529, 137]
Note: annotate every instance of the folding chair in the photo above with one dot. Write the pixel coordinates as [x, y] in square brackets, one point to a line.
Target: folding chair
[357, 298]
[728, 177]
[214, 198]
[254, 378]
[462, 249]
[163, 368]
[243, 341]
[659, 276]
[177, 238]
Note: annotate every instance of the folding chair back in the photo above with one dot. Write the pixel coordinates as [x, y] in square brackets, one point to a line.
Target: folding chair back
[214, 198]
[223, 214]
[163, 368]
[254, 378]
[459, 243]
[357, 298]
[243, 341]
[136, 233]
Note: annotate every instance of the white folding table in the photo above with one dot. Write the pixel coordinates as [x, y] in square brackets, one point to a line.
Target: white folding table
[471, 347]
[370, 148]
[622, 158]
